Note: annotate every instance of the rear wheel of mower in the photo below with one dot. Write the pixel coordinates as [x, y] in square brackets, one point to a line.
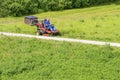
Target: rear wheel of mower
[41, 32]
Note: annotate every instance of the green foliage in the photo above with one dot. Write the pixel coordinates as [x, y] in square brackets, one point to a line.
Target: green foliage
[16, 9]
[32, 59]
[23, 7]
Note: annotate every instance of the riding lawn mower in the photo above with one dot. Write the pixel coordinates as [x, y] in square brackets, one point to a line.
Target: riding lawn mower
[43, 26]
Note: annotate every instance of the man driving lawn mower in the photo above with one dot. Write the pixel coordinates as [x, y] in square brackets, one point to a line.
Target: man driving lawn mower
[48, 25]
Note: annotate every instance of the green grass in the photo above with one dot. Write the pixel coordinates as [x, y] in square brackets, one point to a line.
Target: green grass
[95, 23]
[33, 59]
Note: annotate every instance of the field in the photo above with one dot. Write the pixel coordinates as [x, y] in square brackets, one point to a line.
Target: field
[33, 59]
[95, 23]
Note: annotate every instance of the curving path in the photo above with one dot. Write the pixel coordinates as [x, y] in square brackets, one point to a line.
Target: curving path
[62, 39]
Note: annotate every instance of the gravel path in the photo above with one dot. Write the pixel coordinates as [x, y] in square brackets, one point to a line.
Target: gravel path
[62, 39]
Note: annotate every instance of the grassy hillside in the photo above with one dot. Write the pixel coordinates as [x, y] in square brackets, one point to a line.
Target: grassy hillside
[95, 23]
[33, 59]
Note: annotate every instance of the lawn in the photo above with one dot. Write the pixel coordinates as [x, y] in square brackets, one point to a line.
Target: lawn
[94, 23]
[34, 59]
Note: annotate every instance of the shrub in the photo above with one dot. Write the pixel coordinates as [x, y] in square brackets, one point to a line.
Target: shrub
[22, 7]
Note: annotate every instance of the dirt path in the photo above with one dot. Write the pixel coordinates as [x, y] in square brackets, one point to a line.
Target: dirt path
[62, 39]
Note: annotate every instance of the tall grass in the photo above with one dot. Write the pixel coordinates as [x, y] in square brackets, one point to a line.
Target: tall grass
[95, 23]
[33, 59]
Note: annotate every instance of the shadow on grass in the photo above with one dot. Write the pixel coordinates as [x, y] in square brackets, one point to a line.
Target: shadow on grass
[117, 2]
[108, 3]
[97, 5]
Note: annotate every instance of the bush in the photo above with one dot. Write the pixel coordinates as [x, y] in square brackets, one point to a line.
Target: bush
[16, 9]
[22, 7]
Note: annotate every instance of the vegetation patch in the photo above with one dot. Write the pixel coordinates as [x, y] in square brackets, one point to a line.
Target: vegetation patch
[25, 7]
[22, 58]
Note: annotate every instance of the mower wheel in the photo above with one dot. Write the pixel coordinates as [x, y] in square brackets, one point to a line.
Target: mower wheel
[41, 32]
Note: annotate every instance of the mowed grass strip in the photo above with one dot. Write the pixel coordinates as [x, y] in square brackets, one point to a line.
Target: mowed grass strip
[94, 23]
[33, 59]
